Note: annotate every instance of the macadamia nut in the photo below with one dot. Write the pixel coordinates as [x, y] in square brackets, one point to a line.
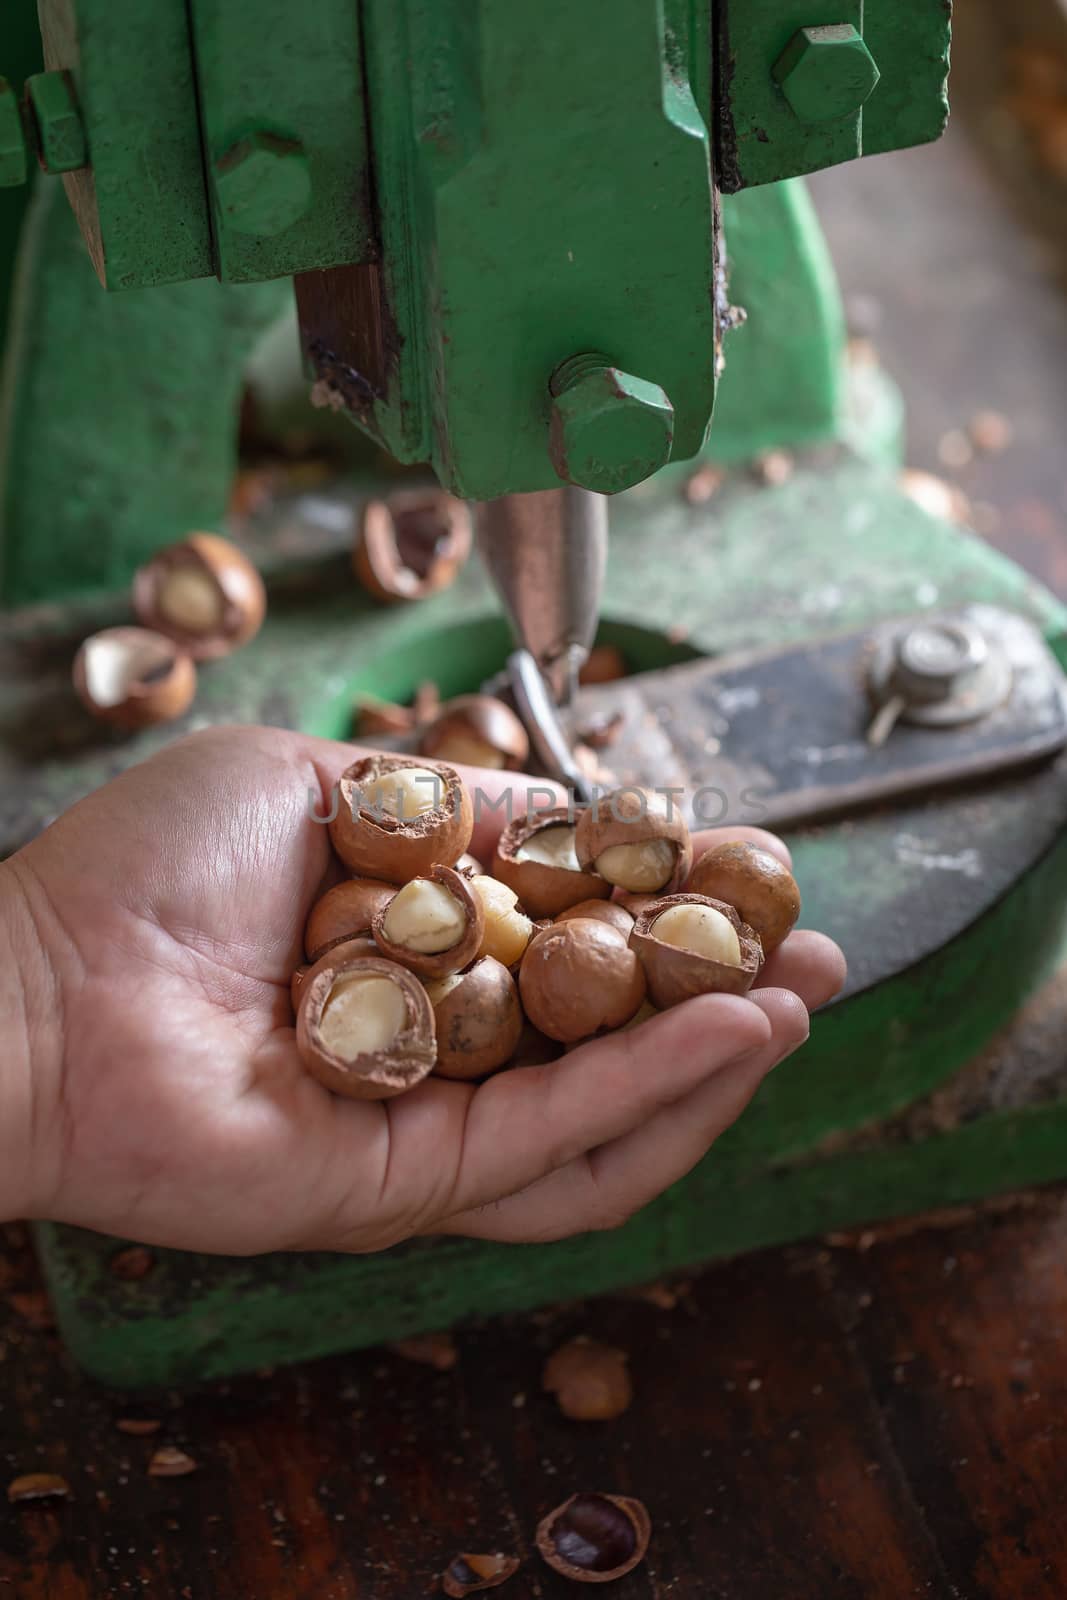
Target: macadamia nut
[190, 598]
[701, 929]
[639, 868]
[507, 929]
[551, 847]
[424, 917]
[362, 1016]
[404, 792]
[468, 751]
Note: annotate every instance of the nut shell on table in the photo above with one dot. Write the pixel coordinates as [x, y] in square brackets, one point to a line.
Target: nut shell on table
[434, 963]
[204, 593]
[590, 1380]
[628, 817]
[595, 1538]
[133, 678]
[579, 978]
[411, 545]
[478, 1019]
[344, 912]
[372, 1074]
[675, 975]
[376, 845]
[476, 730]
[473, 1574]
[760, 887]
[544, 889]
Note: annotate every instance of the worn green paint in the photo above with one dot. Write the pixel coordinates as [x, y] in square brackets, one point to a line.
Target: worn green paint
[282, 115]
[516, 171]
[57, 121]
[142, 206]
[608, 430]
[763, 137]
[20, 56]
[118, 413]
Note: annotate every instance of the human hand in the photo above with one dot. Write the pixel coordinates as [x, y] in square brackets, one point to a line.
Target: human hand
[160, 1097]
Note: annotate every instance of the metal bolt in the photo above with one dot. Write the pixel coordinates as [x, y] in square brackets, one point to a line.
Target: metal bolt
[937, 659]
[263, 184]
[57, 122]
[14, 151]
[826, 73]
[608, 429]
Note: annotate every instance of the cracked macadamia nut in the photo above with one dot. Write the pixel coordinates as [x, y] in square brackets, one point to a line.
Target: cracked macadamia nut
[763, 890]
[133, 678]
[411, 545]
[595, 1538]
[536, 857]
[344, 912]
[689, 944]
[479, 1020]
[433, 925]
[396, 818]
[471, 1574]
[203, 593]
[590, 1380]
[637, 839]
[364, 1026]
[508, 930]
[476, 730]
[578, 978]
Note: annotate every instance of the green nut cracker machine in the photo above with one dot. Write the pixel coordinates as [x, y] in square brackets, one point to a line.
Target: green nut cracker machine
[561, 254]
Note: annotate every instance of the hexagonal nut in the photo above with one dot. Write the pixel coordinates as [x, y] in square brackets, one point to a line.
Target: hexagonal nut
[263, 184]
[14, 151]
[826, 73]
[610, 430]
[61, 138]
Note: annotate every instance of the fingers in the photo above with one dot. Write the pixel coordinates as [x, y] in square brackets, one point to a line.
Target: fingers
[526, 1123]
[809, 964]
[603, 1188]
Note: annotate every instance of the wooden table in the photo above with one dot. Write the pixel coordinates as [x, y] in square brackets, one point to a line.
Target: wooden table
[875, 1417]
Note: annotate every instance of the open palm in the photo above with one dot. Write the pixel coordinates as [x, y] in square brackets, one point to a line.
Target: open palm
[170, 906]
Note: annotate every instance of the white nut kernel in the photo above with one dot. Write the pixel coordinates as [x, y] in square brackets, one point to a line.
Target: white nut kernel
[551, 847]
[362, 1016]
[641, 868]
[191, 599]
[405, 793]
[424, 917]
[507, 929]
[701, 929]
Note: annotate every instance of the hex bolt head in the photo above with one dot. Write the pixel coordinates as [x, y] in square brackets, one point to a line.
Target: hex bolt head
[263, 184]
[60, 134]
[608, 429]
[14, 151]
[826, 73]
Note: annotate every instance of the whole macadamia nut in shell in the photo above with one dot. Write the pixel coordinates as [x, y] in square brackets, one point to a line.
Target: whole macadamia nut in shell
[759, 886]
[578, 978]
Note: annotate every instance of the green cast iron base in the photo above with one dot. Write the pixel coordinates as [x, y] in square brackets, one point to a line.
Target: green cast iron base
[840, 1134]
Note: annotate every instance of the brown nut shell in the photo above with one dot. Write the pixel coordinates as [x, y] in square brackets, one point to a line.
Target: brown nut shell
[543, 891]
[377, 846]
[535, 1049]
[133, 678]
[440, 963]
[677, 975]
[595, 1538]
[760, 887]
[344, 912]
[609, 911]
[479, 1022]
[578, 978]
[411, 545]
[590, 1380]
[634, 816]
[473, 720]
[472, 1574]
[242, 599]
[377, 1075]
